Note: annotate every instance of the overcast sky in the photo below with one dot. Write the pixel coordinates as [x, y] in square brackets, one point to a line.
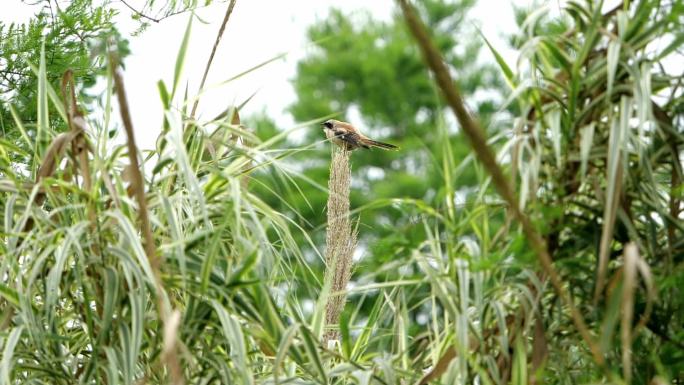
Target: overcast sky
[258, 30]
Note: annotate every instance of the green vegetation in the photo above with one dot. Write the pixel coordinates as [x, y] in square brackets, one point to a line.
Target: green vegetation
[205, 264]
[64, 33]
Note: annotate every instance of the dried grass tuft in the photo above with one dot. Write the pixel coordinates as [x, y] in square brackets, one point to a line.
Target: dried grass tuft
[340, 239]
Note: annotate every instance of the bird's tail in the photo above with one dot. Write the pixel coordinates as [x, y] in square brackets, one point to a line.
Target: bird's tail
[384, 146]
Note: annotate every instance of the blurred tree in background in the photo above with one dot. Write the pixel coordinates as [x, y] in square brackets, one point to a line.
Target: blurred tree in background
[369, 72]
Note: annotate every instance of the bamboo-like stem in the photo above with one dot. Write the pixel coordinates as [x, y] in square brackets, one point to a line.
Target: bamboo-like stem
[340, 240]
[168, 318]
[136, 176]
[229, 11]
[478, 142]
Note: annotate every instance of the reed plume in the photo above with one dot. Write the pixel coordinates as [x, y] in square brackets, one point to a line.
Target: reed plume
[340, 240]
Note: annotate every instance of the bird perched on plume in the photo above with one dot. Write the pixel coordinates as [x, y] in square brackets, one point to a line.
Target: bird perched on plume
[349, 138]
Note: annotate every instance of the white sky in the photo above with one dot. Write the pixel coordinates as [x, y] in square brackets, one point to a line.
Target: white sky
[258, 30]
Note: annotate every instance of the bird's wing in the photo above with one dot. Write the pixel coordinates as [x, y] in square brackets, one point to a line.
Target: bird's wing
[339, 130]
[351, 130]
[353, 138]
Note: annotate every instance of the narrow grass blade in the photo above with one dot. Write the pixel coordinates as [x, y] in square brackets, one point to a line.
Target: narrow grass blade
[586, 141]
[43, 123]
[8, 354]
[509, 76]
[20, 126]
[613, 57]
[180, 58]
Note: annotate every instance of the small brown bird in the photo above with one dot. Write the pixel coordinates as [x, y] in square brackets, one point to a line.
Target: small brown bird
[346, 136]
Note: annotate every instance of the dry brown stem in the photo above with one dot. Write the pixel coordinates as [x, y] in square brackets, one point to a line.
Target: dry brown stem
[166, 315]
[340, 239]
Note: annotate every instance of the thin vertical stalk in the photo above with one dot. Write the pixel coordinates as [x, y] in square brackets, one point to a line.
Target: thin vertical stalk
[213, 52]
[340, 239]
[168, 318]
[136, 176]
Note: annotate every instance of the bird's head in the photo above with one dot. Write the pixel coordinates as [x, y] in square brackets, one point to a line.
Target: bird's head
[329, 124]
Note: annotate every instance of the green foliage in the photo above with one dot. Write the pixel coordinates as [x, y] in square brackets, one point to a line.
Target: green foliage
[597, 158]
[86, 311]
[64, 31]
[448, 290]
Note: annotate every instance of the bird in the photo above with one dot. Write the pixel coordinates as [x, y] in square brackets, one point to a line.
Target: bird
[349, 138]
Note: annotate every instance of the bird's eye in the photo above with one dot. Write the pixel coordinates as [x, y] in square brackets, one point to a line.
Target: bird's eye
[328, 124]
